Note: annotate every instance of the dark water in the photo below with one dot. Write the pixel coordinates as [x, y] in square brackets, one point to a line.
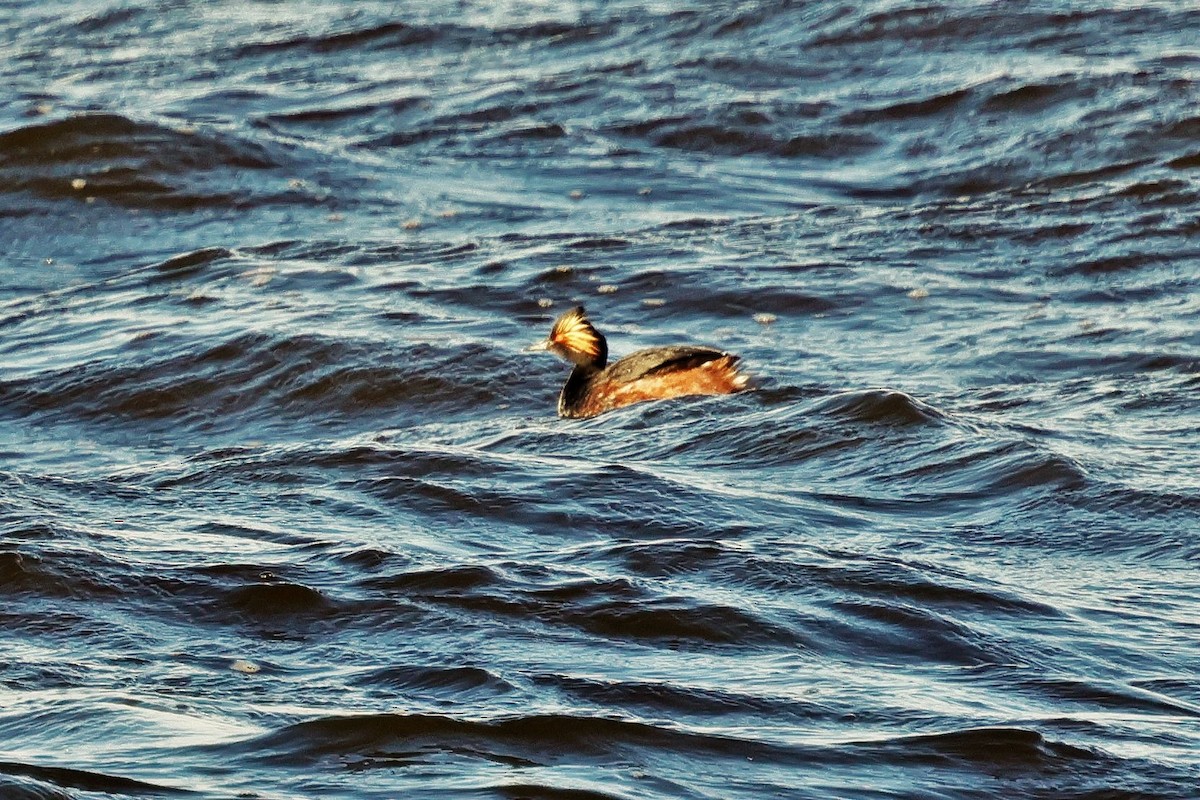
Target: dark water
[287, 513]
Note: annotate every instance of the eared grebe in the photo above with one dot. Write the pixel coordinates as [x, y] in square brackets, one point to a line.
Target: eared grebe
[653, 374]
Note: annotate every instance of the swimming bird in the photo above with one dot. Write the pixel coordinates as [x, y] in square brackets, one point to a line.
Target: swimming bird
[595, 386]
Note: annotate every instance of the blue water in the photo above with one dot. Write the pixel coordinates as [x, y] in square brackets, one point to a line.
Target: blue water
[286, 511]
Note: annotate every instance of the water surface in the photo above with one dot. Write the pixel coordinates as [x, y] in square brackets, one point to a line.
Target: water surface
[287, 512]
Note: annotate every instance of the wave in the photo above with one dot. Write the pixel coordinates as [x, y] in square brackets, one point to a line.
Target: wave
[390, 740]
[909, 109]
[442, 681]
[673, 699]
[271, 599]
[687, 293]
[527, 740]
[744, 134]
[539, 791]
[149, 165]
[1016, 748]
[48, 783]
[617, 610]
[384, 36]
[1018, 28]
[393, 36]
[881, 406]
[261, 375]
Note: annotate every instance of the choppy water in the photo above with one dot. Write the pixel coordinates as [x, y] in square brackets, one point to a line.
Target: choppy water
[286, 512]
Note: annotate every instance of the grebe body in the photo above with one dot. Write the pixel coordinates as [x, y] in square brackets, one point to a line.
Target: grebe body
[656, 373]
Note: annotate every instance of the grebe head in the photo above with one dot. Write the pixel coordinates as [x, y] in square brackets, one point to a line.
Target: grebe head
[574, 338]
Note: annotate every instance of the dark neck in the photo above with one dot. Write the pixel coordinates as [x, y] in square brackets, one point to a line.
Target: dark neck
[575, 389]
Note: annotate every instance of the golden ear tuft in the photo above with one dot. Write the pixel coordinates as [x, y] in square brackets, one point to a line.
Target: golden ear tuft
[573, 331]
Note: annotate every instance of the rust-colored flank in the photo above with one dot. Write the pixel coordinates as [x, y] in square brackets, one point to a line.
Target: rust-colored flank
[595, 386]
